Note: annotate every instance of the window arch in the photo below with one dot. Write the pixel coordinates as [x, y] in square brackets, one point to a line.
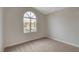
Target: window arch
[30, 22]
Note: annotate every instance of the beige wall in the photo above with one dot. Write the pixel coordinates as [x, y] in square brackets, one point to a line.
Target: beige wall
[14, 26]
[64, 25]
[1, 29]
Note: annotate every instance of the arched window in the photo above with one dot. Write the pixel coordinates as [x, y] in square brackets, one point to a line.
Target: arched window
[29, 21]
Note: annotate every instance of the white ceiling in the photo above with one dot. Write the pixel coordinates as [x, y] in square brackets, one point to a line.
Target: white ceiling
[48, 10]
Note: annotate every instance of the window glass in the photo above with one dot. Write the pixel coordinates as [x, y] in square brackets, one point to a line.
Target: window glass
[29, 22]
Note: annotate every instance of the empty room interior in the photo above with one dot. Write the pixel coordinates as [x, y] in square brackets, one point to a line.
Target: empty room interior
[39, 29]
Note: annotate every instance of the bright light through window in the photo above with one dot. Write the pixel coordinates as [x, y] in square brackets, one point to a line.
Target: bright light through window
[29, 21]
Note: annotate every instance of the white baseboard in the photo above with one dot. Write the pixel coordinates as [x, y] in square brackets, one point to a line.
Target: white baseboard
[58, 39]
[20, 42]
[51, 37]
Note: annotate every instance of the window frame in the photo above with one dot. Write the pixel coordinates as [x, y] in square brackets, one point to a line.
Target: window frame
[29, 17]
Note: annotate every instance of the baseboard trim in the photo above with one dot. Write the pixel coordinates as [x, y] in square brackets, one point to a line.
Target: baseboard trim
[49, 37]
[58, 39]
[24, 42]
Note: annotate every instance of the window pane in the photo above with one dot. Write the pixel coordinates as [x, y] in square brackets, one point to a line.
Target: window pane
[33, 15]
[26, 15]
[26, 25]
[33, 25]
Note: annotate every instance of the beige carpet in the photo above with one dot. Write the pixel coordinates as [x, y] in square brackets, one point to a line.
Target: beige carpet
[42, 45]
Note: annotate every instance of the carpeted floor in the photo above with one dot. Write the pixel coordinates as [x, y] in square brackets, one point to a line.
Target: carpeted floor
[42, 45]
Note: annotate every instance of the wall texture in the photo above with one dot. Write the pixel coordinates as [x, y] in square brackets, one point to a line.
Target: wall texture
[64, 25]
[14, 26]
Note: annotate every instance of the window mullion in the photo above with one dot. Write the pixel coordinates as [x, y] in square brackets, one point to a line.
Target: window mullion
[30, 24]
[29, 17]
